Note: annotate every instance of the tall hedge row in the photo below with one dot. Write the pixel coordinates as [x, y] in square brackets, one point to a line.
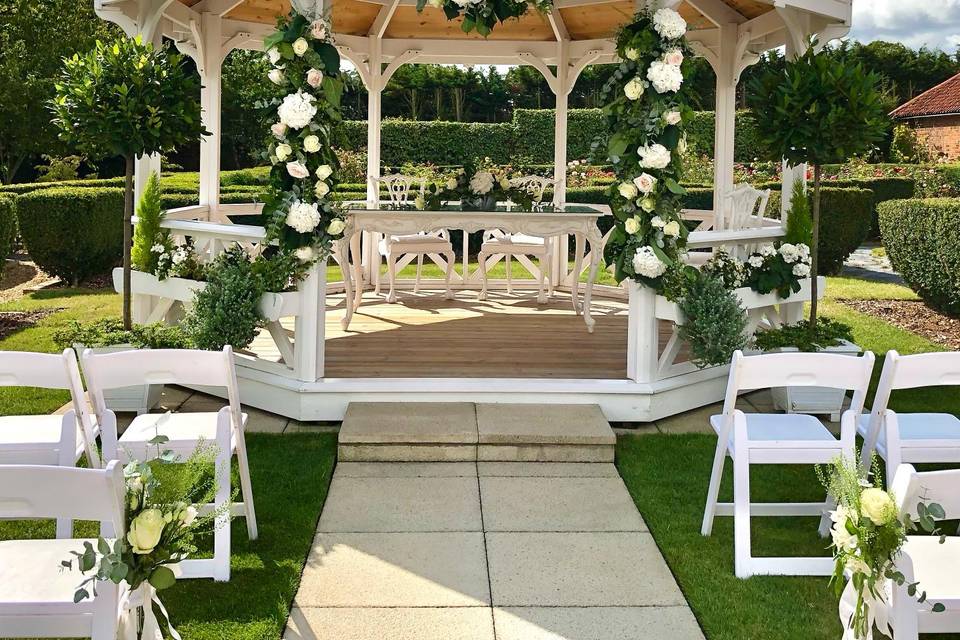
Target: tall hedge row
[922, 238]
[8, 226]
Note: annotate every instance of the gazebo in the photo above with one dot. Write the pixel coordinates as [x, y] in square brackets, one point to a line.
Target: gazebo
[651, 378]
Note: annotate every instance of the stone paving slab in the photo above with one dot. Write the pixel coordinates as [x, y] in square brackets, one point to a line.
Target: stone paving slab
[398, 423]
[462, 623]
[395, 570]
[579, 570]
[564, 424]
[547, 470]
[596, 623]
[407, 453]
[401, 504]
[546, 453]
[558, 504]
[406, 469]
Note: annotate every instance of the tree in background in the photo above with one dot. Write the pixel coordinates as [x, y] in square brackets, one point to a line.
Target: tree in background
[34, 36]
[127, 99]
[245, 92]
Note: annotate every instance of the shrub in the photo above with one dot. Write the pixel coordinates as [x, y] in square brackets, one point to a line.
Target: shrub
[73, 233]
[715, 322]
[906, 147]
[8, 226]
[828, 333]
[148, 233]
[799, 223]
[922, 238]
[226, 310]
[109, 332]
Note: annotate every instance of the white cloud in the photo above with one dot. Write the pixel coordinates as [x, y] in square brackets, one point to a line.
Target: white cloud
[934, 23]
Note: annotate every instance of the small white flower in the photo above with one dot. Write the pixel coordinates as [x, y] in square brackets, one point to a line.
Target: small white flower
[789, 252]
[336, 226]
[647, 264]
[311, 144]
[188, 515]
[657, 222]
[671, 229]
[671, 117]
[314, 78]
[179, 256]
[278, 129]
[283, 151]
[628, 190]
[297, 170]
[318, 29]
[645, 183]
[631, 53]
[633, 89]
[856, 565]
[420, 203]
[664, 77]
[669, 24]
[303, 216]
[300, 46]
[755, 261]
[276, 76]
[305, 254]
[158, 248]
[321, 189]
[632, 225]
[768, 250]
[654, 156]
[673, 57]
[273, 55]
[323, 172]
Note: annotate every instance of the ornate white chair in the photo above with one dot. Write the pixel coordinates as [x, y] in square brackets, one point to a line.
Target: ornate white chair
[36, 593]
[760, 438]
[496, 243]
[912, 437]
[741, 208]
[47, 439]
[185, 431]
[392, 247]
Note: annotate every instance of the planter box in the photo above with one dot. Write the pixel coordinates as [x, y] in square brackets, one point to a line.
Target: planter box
[749, 299]
[815, 400]
[138, 399]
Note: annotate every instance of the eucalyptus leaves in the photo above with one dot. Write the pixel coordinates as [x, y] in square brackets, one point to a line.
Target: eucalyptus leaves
[482, 15]
[297, 212]
[645, 114]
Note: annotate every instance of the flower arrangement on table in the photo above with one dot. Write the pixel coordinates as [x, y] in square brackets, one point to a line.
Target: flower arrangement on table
[161, 524]
[645, 113]
[297, 212]
[867, 535]
[482, 15]
[479, 186]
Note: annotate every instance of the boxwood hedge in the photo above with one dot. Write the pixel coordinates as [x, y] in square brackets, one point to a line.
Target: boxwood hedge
[922, 238]
[8, 226]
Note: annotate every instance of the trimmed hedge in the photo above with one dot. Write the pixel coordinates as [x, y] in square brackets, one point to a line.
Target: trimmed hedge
[20, 188]
[73, 233]
[8, 226]
[922, 238]
[883, 189]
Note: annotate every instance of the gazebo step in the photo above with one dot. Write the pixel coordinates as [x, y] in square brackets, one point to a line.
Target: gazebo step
[467, 432]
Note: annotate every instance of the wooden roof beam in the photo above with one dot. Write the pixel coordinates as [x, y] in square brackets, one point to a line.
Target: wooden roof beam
[718, 12]
[834, 9]
[217, 7]
[558, 25]
[379, 26]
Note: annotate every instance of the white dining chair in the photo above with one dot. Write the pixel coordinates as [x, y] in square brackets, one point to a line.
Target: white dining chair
[47, 439]
[435, 245]
[764, 438]
[497, 244]
[36, 593]
[924, 560]
[912, 437]
[186, 431]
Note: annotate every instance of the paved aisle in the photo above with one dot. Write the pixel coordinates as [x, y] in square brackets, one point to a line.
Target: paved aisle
[484, 551]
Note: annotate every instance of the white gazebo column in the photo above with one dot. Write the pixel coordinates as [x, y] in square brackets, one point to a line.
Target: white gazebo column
[725, 115]
[374, 82]
[209, 43]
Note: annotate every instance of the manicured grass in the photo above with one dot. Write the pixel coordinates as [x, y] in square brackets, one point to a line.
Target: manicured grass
[291, 475]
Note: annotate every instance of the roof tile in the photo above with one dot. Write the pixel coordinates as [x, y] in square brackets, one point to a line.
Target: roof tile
[939, 100]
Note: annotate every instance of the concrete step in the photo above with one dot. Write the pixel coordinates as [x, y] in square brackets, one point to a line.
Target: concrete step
[468, 432]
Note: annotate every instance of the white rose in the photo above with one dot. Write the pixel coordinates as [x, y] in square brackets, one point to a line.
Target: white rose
[300, 46]
[645, 182]
[314, 77]
[304, 254]
[188, 515]
[755, 261]
[669, 24]
[145, 531]
[631, 53]
[657, 222]
[297, 170]
[273, 55]
[664, 77]
[631, 225]
[321, 189]
[671, 117]
[323, 172]
[451, 184]
[283, 151]
[648, 204]
[628, 190]
[303, 216]
[654, 156]
[647, 264]
[297, 110]
[877, 505]
[336, 226]
[276, 76]
[672, 229]
[633, 89]
[278, 129]
[318, 29]
[674, 57]
[311, 144]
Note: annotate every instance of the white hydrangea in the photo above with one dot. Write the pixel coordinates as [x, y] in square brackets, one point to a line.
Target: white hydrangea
[669, 24]
[482, 182]
[303, 216]
[297, 110]
[755, 261]
[647, 264]
[801, 270]
[664, 77]
[180, 255]
[654, 156]
[305, 254]
[768, 250]
[789, 252]
[804, 251]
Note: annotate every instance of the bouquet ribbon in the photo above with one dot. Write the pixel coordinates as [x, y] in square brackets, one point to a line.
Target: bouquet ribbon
[876, 611]
[142, 599]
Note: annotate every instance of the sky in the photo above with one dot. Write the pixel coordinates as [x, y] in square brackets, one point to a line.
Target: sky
[934, 23]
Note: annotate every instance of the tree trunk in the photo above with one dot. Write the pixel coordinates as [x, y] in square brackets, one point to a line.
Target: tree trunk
[815, 249]
[11, 172]
[127, 241]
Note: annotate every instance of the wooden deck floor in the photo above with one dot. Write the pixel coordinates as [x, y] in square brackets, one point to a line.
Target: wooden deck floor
[426, 336]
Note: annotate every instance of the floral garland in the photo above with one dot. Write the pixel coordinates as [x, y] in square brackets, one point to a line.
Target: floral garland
[297, 212]
[483, 15]
[645, 114]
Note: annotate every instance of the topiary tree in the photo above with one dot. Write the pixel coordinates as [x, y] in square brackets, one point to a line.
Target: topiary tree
[148, 231]
[817, 110]
[127, 99]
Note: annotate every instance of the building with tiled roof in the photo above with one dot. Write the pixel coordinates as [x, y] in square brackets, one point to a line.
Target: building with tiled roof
[935, 115]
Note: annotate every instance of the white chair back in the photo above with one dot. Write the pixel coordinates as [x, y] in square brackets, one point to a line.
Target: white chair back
[743, 208]
[911, 487]
[399, 186]
[42, 491]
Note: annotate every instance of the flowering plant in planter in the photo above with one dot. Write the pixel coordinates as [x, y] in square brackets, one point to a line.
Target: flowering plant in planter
[778, 267]
[482, 15]
[867, 535]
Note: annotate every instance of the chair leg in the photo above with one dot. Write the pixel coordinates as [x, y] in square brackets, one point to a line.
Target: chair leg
[741, 514]
[221, 534]
[376, 275]
[509, 275]
[451, 257]
[416, 283]
[392, 276]
[710, 511]
[483, 274]
[550, 284]
[246, 488]
[542, 292]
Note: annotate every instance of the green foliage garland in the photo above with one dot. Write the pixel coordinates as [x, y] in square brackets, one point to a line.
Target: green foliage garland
[645, 114]
[483, 15]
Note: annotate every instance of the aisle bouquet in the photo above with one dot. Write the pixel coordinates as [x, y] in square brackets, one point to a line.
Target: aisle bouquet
[868, 533]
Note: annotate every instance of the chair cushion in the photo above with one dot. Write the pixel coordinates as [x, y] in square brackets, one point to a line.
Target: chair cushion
[780, 427]
[31, 580]
[184, 430]
[919, 426]
[418, 238]
[32, 439]
[935, 567]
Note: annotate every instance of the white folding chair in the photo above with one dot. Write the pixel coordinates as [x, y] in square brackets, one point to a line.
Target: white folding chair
[47, 439]
[912, 437]
[496, 243]
[185, 431]
[394, 247]
[925, 560]
[36, 594]
[759, 438]
[741, 208]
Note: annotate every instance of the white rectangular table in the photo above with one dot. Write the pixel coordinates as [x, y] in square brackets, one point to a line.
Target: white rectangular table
[576, 220]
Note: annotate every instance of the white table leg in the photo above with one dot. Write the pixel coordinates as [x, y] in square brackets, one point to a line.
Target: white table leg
[577, 265]
[355, 249]
[341, 249]
[596, 254]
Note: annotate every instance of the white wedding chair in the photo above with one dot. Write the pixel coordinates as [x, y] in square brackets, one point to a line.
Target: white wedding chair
[47, 439]
[36, 593]
[741, 208]
[186, 431]
[912, 437]
[760, 438]
[496, 243]
[925, 560]
[393, 247]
